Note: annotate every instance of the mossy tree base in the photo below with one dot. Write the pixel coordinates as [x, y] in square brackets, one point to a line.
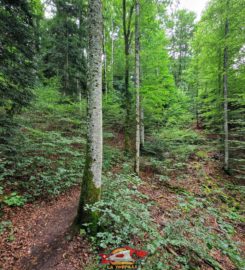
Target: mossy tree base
[90, 194]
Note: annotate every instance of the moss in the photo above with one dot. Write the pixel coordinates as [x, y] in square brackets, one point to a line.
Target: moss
[90, 194]
[202, 154]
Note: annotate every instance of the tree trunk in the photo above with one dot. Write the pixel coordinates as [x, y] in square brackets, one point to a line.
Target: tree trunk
[137, 86]
[78, 93]
[112, 55]
[197, 108]
[226, 127]
[142, 128]
[127, 32]
[105, 63]
[66, 92]
[91, 183]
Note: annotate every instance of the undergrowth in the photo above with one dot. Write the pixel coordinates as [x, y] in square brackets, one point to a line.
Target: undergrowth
[45, 157]
[45, 152]
[197, 232]
[123, 216]
[187, 241]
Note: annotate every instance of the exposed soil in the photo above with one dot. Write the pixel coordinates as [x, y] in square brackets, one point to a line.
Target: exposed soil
[42, 238]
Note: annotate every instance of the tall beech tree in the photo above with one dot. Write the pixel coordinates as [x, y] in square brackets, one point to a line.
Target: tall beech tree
[226, 123]
[127, 34]
[91, 182]
[137, 85]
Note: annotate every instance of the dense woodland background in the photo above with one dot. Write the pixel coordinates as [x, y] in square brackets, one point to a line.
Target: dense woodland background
[184, 205]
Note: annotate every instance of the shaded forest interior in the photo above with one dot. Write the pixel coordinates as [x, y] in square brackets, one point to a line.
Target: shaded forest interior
[170, 89]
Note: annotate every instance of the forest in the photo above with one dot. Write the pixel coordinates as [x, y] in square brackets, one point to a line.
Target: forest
[122, 135]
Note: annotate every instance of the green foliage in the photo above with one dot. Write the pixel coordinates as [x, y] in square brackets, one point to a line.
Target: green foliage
[187, 241]
[191, 246]
[122, 215]
[191, 239]
[112, 111]
[49, 159]
[112, 157]
[17, 64]
[181, 26]
[14, 199]
[205, 75]
[64, 42]
[175, 143]
[42, 150]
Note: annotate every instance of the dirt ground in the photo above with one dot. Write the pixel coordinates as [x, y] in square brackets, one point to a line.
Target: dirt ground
[42, 240]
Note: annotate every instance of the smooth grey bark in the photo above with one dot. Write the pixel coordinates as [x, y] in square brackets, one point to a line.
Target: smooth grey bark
[226, 121]
[105, 62]
[95, 90]
[127, 34]
[91, 183]
[137, 85]
[112, 54]
[142, 127]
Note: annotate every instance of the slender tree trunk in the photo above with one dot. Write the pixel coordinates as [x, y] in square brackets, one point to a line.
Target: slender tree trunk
[105, 62]
[91, 183]
[196, 99]
[79, 93]
[197, 109]
[142, 127]
[67, 61]
[112, 54]
[226, 127]
[137, 86]
[127, 32]
[180, 68]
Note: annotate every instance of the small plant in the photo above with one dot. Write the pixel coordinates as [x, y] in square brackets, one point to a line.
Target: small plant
[14, 200]
[5, 225]
[123, 216]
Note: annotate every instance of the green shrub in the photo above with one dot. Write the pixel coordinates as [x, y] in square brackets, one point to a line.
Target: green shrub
[123, 216]
[187, 244]
[172, 148]
[50, 157]
[112, 156]
[14, 200]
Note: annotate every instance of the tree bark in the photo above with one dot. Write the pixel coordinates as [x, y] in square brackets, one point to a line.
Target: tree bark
[197, 108]
[226, 124]
[105, 62]
[137, 86]
[66, 92]
[127, 41]
[142, 127]
[112, 55]
[91, 183]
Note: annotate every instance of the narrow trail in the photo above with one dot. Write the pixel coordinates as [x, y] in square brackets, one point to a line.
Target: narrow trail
[41, 237]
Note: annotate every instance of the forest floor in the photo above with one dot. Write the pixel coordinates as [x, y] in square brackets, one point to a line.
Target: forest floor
[165, 196]
[181, 177]
[39, 238]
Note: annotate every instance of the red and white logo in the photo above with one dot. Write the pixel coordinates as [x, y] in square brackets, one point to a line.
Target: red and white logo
[123, 256]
